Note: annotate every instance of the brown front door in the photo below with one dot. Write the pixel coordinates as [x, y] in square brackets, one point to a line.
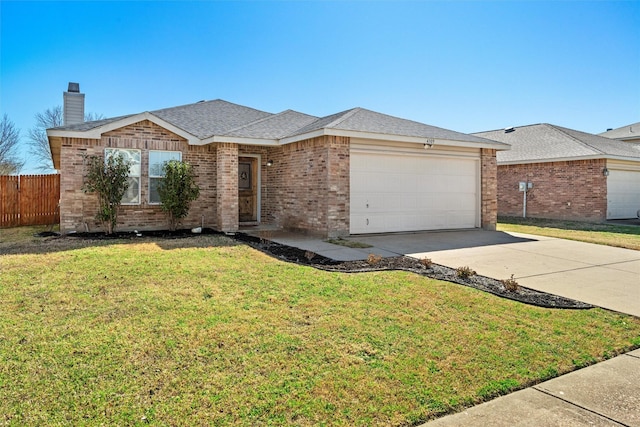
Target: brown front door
[248, 189]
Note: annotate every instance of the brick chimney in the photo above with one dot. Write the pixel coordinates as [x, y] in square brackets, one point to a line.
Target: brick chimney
[73, 105]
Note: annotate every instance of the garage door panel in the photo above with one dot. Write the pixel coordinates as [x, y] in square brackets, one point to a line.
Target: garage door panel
[623, 194]
[391, 192]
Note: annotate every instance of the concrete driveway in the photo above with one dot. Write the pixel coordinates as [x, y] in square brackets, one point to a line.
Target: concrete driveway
[600, 275]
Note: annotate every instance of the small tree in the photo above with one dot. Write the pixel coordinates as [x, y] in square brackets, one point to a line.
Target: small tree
[110, 179]
[177, 190]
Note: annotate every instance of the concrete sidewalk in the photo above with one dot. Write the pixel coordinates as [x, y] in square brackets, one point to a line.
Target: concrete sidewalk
[605, 394]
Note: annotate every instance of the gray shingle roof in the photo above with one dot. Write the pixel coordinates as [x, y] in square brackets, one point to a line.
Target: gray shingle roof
[545, 142]
[207, 119]
[363, 120]
[275, 126]
[85, 126]
[631, 131]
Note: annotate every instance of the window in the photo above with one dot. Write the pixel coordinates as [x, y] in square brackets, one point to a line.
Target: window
[157, 159]
[132, 195]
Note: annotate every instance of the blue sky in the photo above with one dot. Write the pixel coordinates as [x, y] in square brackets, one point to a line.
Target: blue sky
[466, 66]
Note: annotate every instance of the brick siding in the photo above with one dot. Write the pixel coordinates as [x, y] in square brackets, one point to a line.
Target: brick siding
[308, 186]
[489, 189]
[78, 209]
[306, 189]
[575, 190]
[227, 181]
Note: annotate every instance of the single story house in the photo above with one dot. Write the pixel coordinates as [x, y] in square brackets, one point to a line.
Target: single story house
[357, 171]
[573, 174]
[629, 133]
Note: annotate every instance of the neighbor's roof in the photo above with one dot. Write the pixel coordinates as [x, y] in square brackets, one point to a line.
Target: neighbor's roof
[205, 122]
[625, 132]
[546, 143]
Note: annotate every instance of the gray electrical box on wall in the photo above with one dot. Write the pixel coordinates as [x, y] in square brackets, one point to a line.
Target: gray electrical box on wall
[524, 186]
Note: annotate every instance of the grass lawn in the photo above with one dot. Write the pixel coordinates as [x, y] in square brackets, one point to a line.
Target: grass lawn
[623, 236]
[202, 331]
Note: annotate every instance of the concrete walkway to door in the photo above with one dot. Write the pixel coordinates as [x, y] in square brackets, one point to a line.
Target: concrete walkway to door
[600, 275]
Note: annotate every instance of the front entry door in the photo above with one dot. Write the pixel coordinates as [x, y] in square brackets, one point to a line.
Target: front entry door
[248, 189]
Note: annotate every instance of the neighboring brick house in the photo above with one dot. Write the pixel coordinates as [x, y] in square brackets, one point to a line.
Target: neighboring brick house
[354, 172]
[629, 133]
[574, 175]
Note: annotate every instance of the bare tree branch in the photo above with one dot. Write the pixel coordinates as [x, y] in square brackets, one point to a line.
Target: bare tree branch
[38, 141]
[92, 117]
[9, 140]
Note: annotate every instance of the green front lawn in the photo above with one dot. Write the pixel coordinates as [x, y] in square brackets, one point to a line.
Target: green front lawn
[623, 236]
[215, 333]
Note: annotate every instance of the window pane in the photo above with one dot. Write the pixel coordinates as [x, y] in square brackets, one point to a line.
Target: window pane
[155, 169]
[132, 156]
[132, 195]
[135, 169]
[154, 197]
[157, 159]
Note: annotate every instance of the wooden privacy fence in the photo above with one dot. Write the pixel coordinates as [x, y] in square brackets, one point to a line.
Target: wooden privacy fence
[29, 200]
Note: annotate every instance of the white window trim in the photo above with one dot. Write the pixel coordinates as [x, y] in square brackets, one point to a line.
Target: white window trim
[114, 149]
[158, 176]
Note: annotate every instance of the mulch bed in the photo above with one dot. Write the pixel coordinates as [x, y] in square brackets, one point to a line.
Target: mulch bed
[300, 256]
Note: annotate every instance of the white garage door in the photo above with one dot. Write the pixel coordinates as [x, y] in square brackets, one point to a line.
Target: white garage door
[623, 194]
[408, 192]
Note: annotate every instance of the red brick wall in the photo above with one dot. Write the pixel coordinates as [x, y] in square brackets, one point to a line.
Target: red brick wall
[575, 190]
[78, 209]
[489, 188]
[338, 196]
[308, 186]
[306, 189]
[227, 187]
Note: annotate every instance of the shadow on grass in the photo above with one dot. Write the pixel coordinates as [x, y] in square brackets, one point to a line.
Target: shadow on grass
[166, 240]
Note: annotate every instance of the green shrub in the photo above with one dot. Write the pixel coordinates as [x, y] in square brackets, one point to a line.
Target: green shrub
[177, 190]
[109, 178]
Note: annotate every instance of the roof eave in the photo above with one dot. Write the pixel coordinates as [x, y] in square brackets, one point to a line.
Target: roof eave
[237, 140]
[395, 138]
[570, 159]
[551, 160]
[97, 132]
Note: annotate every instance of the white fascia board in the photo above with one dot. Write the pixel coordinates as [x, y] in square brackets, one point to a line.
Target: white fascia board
[395, 138]
[552, 160]
[623, 158]
[302, 137]
[96, 133]
[237, 140]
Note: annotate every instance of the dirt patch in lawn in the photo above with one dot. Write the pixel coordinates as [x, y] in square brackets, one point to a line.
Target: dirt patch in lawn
[300, 256]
